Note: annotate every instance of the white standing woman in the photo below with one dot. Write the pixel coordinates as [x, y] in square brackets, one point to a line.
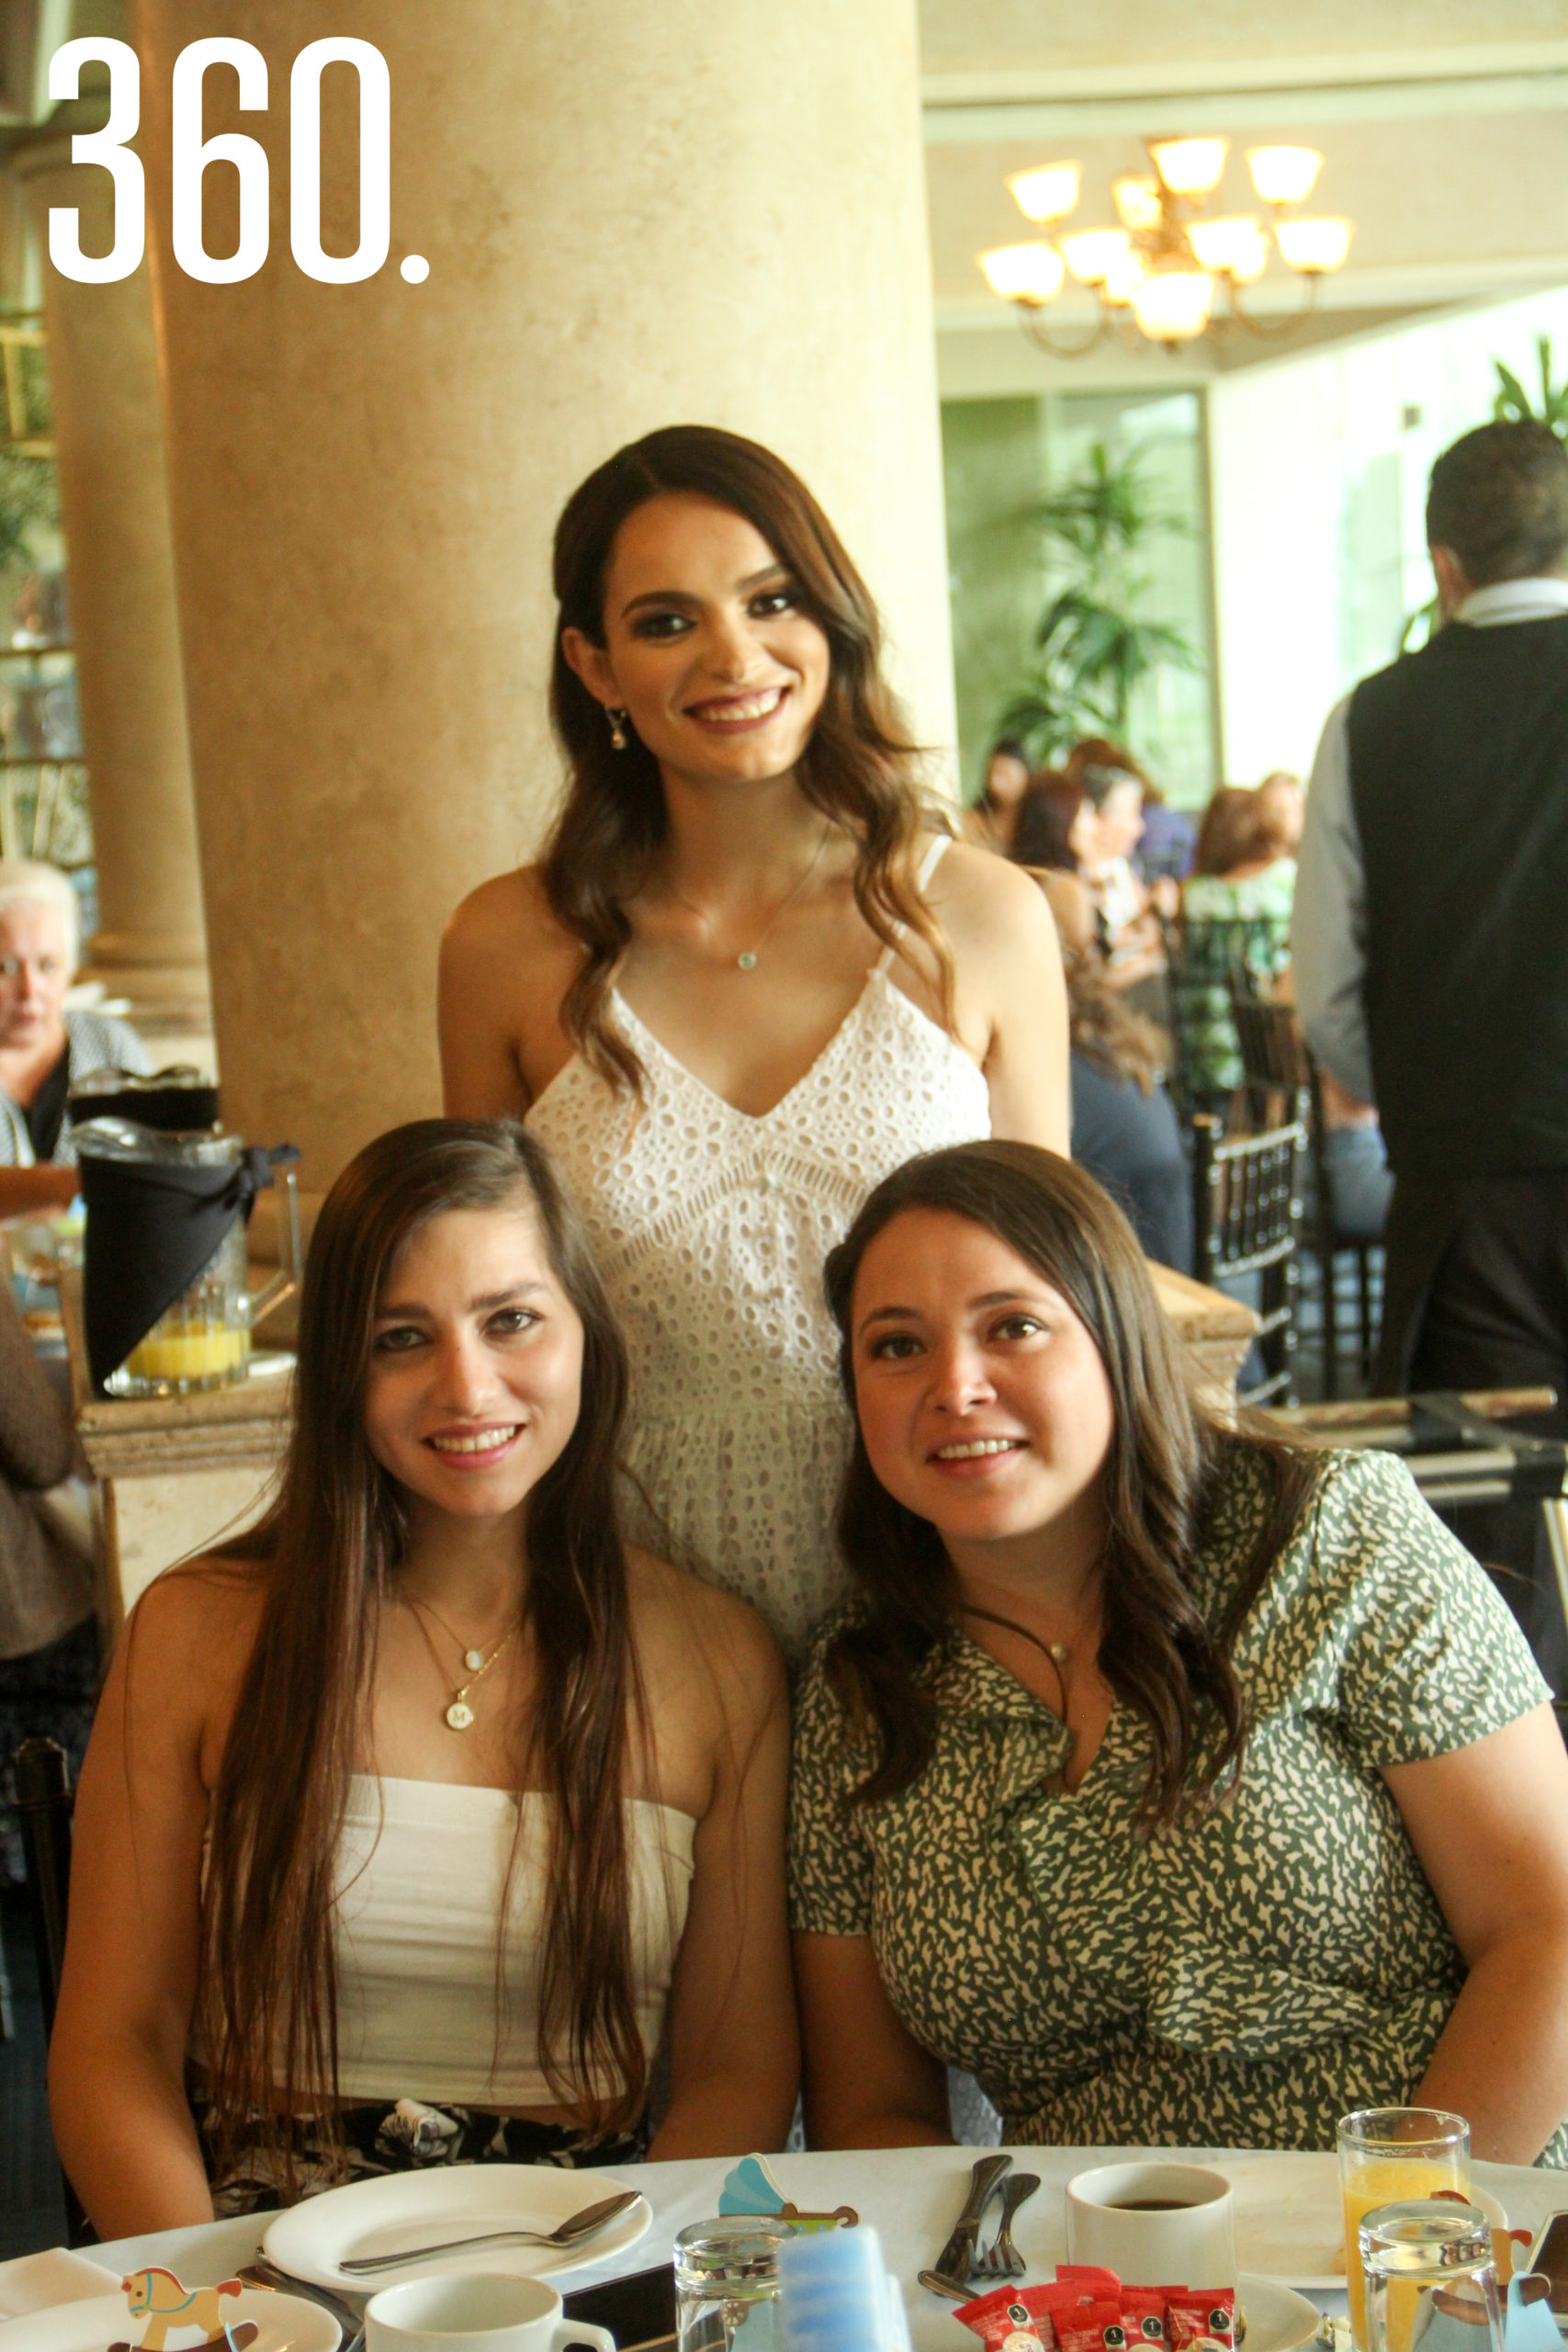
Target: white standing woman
[750, 977]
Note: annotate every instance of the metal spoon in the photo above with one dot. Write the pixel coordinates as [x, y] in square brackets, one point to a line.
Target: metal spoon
[571, 2232]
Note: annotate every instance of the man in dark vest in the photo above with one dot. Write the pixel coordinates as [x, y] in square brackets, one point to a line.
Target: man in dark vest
[1431, 949]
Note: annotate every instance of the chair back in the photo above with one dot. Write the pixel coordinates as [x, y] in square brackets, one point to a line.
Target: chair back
[1280, 1073]
[1246, 1212]
[1211, 961]
[43, 1809]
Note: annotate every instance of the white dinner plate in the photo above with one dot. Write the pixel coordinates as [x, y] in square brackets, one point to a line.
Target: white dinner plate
[283, 2324]
[413, 2209]
[1289, 2221]
[1277, 2319]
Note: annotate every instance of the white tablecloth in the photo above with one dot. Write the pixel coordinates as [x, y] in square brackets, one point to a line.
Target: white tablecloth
[912, 2196]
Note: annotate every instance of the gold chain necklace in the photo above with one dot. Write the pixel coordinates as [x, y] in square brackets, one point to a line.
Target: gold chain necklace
[746, 959]
[457, 1714]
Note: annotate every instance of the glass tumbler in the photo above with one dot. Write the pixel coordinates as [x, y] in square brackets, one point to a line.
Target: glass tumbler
[1431, 2283]
[1387, 2155]
[727, 2283]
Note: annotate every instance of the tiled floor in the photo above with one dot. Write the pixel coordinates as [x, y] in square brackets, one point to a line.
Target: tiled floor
[31, 2214]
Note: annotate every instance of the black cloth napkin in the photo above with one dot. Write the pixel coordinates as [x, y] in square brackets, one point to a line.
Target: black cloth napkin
[152, 1226]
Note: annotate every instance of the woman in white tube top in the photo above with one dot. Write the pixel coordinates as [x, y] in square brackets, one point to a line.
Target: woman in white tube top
[419, 1820]
[749, 979]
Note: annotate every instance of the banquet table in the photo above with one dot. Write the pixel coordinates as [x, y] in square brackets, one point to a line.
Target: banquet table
[1287, 2205]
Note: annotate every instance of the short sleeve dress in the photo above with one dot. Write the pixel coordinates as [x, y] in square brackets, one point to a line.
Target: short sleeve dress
[1244, 1979]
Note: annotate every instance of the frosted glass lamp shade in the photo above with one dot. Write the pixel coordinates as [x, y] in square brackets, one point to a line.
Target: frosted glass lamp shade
[1314, 247]
[1284, 174]
[1092, 253]
[1032, 273]
[1189, 166]
[1122, 281]
[1047, 192]
[1235, 245]
[1172, 306]
[1136, 197]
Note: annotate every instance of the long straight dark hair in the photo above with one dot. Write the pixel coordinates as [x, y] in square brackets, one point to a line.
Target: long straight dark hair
[1169, 1456]
[326, 1552]
[861, 767]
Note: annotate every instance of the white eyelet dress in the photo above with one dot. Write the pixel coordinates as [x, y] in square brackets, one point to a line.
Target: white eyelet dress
[710, 1227]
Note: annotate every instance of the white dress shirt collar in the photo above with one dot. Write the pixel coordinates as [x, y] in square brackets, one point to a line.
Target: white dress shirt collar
[1539, 599]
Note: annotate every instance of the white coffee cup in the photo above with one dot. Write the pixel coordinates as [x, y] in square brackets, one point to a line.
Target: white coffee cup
[468, 2311]
[1154, 2224]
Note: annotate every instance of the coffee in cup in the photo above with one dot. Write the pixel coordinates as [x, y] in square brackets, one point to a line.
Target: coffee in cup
[1154, 2224]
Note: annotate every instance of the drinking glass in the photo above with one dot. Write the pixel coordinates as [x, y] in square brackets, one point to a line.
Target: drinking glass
[1432, 2284]
[727, 2284]
[1386, 2155]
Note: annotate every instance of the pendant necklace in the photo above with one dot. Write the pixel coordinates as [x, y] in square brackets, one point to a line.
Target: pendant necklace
[746, 959]
[457, 1714]
[1057, 1654]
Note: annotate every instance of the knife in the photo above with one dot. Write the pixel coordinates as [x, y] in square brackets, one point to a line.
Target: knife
[957, 2256]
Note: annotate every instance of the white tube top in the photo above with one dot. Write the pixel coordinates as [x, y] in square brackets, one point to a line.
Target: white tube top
[420, 1867]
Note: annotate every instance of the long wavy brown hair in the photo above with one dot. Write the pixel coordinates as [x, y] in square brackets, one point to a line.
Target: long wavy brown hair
[327, 1555]
[1169, 1458]
[861, 768]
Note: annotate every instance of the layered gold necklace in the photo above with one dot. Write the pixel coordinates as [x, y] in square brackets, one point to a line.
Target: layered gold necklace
[457, 1713]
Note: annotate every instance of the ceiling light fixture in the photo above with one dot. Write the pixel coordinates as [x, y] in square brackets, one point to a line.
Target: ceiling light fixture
[1169, 262]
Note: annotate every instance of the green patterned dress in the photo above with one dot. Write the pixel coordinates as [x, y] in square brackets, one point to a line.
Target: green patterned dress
[1240, 1981]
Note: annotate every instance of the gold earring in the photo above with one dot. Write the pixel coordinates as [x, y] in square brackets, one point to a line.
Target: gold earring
[617, 732]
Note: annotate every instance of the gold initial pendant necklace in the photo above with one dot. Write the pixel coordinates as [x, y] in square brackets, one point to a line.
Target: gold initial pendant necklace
[457, 1714]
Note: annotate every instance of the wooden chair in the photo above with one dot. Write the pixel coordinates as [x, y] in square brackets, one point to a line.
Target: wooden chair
[43, 1809]
[1246, 1212]
[1279, 1063]
[1206, 960]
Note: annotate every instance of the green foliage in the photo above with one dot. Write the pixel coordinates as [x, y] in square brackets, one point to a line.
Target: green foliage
[1513, 402]
[28, 495]
[1092, 651]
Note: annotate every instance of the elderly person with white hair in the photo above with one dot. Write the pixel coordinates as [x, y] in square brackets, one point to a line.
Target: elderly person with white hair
[45, 1045]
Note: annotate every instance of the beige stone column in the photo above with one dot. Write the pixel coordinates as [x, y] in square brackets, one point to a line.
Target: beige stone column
[114, 501]
[709, 210]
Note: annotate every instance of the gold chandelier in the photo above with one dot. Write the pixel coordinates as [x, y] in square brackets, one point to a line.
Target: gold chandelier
[1171, 271]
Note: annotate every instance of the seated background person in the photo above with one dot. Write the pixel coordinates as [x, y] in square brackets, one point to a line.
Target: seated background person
[1189, 1787]
[48, 1637]
[44, 1046]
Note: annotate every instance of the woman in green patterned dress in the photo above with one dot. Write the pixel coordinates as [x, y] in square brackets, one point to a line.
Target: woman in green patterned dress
[1185, 1785]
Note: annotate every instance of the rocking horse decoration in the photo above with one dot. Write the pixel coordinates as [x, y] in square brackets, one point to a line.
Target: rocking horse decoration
[164, 2305]
[751, 2188]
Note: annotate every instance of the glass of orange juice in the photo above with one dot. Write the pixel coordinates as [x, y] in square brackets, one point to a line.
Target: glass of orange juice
[1387, 2155]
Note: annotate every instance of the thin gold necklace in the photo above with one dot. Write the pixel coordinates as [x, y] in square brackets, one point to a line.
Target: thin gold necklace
[746, 959]
[457, 1713]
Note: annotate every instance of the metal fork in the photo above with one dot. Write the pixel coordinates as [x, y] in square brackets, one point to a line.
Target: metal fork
[1000, 2259]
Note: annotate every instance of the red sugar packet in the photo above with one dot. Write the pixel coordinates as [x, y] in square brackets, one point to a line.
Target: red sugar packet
[1143, 2314]
[1200, 2312]
[1094, 2326]
[1014, 2316]
[1019, 2319]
